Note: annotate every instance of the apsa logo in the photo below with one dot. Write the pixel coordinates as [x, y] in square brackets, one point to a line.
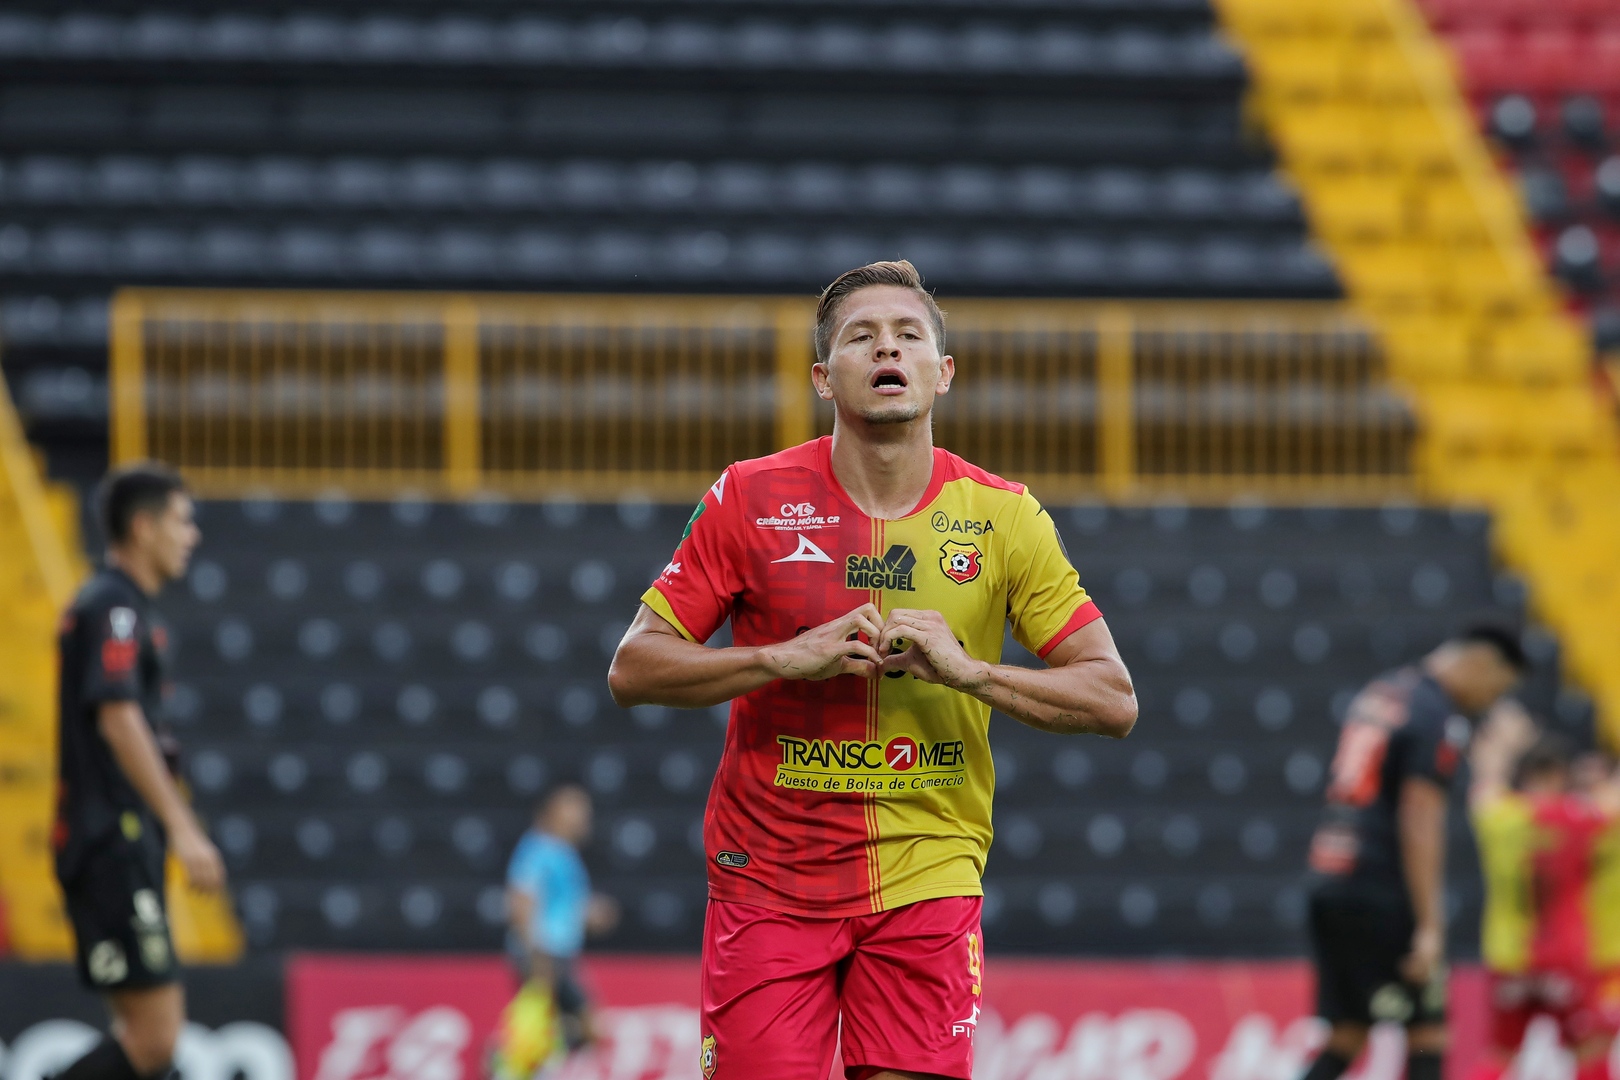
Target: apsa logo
[959, 561]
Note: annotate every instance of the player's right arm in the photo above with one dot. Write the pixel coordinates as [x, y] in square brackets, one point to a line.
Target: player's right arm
[655, 664]
[129, 737]
[662, 659]
[1421, 817]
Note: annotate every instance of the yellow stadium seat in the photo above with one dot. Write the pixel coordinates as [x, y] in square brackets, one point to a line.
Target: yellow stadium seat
[1453, 211]
[1481, 280]
[1303, 17]
[1546, 349]
[1309, 68]
[1359, 208]
[204, 927]
[1325, 136]
[1414, 138]
[1516, 424]
[36, 922]
[1425, 349]
[1390, 277]
[1380, 71]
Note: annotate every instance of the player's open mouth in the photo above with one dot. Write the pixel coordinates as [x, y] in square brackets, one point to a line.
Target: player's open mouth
[889, 380]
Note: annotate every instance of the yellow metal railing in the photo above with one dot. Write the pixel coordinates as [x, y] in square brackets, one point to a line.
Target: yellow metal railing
[601, 396]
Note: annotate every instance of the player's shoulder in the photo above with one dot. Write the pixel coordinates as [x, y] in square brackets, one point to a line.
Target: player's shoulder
[958, 468]
[106, 589]
[762, 474]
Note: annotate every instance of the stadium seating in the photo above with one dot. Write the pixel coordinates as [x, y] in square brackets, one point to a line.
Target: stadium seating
[613, 149]
[373, 695]
[1544, 79]
[1045, 148]
[1434, 247]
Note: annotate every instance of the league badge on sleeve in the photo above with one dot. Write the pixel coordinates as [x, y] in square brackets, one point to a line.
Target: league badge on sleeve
[959, 561]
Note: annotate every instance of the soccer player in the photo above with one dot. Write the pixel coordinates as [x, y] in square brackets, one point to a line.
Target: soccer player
[869, 578]
[552, 907]
[1551, 929]
[1377, 906]
[118, 807]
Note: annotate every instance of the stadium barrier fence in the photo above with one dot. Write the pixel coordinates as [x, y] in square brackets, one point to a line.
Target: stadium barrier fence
[604, 396]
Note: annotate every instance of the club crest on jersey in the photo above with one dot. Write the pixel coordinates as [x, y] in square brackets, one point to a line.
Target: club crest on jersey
[706, 1058]
[122, 620]
[959, 561]
[892, 570]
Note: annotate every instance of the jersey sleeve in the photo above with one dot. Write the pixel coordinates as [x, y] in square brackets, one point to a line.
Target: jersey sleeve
[111, 637]
[523, 872]
[1430, 752]
[1045, 600]
[697, 589]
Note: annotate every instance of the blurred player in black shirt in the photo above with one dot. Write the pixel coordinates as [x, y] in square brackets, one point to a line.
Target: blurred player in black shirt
[118, 807]
[1377, 915]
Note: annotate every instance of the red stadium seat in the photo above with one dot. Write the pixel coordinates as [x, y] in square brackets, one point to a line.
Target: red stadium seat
[1447, 14]
[1550, 59]
[1487, 61]
[1601, 63]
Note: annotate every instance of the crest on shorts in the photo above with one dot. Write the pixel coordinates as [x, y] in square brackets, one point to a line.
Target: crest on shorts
[1392, 1002]
[706, 1058]
[107, 963]
[959, 561]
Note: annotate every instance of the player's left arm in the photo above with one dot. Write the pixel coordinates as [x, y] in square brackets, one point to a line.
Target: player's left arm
[1085, 688]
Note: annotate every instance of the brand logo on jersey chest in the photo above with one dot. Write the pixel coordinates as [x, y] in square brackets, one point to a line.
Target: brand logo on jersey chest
[892, 571]
[944, 523]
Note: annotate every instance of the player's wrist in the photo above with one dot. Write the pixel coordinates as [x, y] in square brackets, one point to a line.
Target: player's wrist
[975, 678]
[767, 663]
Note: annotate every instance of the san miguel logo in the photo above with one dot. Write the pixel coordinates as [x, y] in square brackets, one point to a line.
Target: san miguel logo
[891, 571]
[960, 561]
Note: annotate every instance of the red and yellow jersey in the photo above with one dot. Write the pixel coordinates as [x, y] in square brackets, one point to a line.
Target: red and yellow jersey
[1552, 884]
[852, 796]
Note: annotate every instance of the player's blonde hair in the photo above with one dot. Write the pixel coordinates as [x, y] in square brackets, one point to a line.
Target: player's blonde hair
[899, 273]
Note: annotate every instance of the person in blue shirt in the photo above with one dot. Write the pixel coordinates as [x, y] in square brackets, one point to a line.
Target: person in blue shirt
[552, 908]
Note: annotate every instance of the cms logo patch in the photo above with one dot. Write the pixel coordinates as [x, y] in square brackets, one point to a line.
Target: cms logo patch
[960, 562]
[706, 1057]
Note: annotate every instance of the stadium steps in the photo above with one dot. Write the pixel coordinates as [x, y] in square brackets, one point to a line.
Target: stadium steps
[36, 579]
[1433, 246]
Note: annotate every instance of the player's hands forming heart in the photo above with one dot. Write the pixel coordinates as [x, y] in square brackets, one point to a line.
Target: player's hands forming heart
[831, 648]
[920, 643]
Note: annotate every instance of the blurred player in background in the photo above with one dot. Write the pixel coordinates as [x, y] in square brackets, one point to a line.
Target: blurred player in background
[552, 909]
[1377, 908]
[869, 579]
[118, 807]
[1551, 929]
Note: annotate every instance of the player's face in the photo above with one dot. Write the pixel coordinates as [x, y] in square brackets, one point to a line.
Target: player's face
[1487, 676]
[171, 536]
[884, 365]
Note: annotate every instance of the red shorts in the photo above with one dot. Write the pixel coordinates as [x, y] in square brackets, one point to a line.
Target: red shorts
[905, 983]
[1584, 1004]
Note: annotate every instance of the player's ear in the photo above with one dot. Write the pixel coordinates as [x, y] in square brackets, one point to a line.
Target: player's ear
[821, 379]
[947, 372]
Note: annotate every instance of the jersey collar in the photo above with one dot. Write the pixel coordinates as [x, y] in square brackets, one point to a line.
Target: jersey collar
[936, 479]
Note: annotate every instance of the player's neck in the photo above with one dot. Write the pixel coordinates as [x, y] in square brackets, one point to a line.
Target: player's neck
[141, 571]
[885, 468]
